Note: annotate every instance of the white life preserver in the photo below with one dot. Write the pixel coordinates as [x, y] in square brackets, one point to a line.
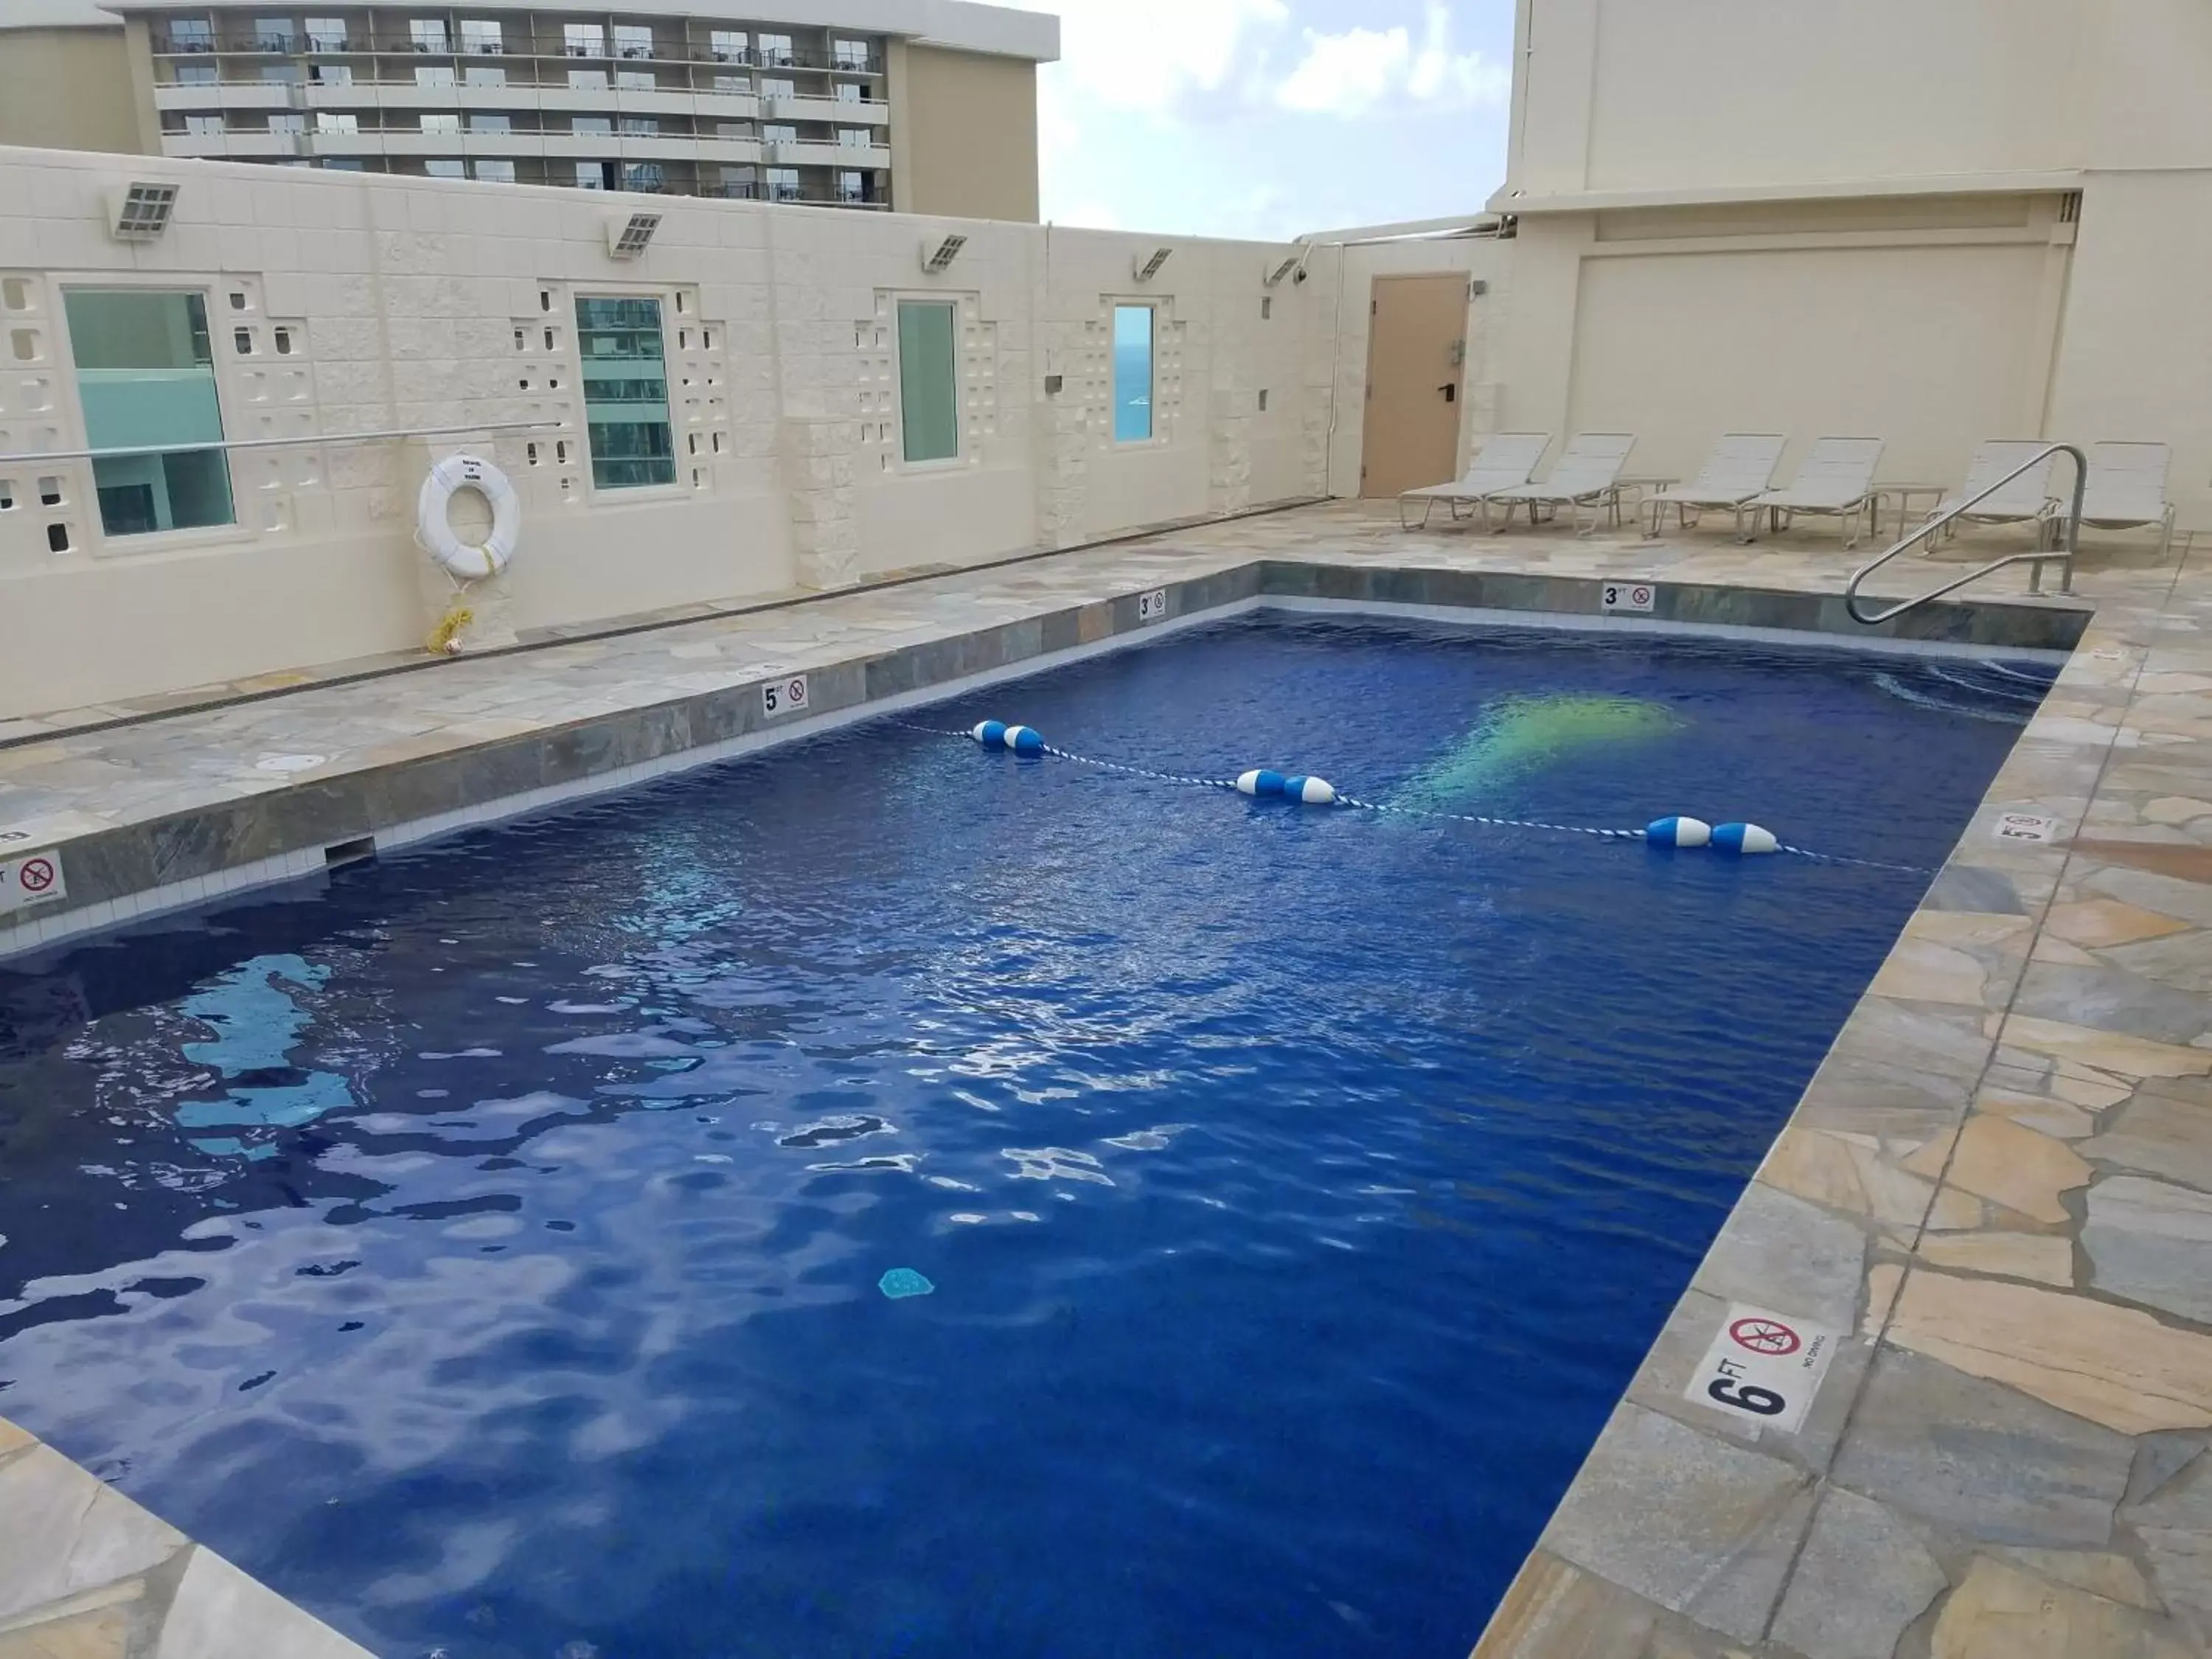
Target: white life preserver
[434, 530]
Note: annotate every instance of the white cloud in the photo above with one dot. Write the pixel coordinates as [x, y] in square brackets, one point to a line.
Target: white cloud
[1350, 73]
[1147, 54]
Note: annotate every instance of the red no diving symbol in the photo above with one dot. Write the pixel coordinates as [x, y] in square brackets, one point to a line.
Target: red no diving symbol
[1766, 1336]
[36, 875]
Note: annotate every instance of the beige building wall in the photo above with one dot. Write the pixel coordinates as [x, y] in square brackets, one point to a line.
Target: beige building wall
[74, 89]
[1930, 221]
[343, 304]
[965, 128]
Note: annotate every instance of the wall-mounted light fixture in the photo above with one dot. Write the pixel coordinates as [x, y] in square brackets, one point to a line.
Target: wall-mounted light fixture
[629, 238]
[1149, 267]
[140, 212]
[1289, 264]
[939, 252]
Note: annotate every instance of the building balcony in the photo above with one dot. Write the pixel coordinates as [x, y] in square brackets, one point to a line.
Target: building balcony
[224, 95]
[232, 146]
[805, 153]
[839, 111]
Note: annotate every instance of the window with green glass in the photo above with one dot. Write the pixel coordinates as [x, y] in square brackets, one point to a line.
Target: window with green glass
[1132, 374]
[145, 374]
[929, 390]
[625, 392]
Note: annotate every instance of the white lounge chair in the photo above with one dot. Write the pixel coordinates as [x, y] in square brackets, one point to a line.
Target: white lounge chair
[1503, 462]
[2023, 500]
[1836, 478]
[1587, 474]
[1740, 466]
[2126, 490]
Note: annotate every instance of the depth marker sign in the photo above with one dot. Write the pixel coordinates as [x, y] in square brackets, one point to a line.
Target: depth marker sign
[1764, 1366]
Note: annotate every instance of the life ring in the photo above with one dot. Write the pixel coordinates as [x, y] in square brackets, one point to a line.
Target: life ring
[434, 530]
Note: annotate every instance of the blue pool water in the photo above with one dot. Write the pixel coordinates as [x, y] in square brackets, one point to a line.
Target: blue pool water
[500, 1251]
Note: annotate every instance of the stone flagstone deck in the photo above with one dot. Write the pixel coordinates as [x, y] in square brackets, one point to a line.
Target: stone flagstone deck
[1998, 1186]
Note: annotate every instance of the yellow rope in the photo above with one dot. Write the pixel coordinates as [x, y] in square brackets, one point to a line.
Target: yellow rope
[445, 639]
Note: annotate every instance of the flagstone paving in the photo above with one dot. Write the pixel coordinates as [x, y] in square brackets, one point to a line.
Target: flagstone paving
[1998, 1189]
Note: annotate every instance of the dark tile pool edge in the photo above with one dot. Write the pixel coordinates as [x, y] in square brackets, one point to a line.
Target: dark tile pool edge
[122, 874]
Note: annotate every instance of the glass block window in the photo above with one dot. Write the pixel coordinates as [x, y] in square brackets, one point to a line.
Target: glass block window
[145, 373]
[626, 419]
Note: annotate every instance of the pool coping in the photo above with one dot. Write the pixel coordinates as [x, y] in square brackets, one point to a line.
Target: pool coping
[1689, 1532]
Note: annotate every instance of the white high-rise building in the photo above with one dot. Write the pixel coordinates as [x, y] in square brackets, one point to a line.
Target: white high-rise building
[926, 105]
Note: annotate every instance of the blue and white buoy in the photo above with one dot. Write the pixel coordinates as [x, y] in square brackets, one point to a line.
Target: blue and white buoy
[1678, 832]
[997, 734]
[1309, 791]
[1744, 838]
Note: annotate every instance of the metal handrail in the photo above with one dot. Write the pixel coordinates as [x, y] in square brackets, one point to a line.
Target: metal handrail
[34, 457]
[2064, 553]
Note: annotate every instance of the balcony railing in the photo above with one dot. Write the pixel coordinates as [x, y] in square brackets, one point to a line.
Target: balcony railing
[272, 44]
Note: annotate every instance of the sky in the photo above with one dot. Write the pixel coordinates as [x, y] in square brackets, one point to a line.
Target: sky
[1268, 117]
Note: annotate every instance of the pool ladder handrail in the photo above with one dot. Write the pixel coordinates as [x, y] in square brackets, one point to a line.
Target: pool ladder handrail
[2069, 546]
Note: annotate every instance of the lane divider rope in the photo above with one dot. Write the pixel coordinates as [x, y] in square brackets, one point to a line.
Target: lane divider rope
[1356, 803]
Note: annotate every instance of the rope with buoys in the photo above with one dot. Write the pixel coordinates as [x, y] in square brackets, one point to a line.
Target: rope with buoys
[1742, 840]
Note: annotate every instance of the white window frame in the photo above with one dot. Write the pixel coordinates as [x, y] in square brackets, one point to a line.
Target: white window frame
[227, 400]
[1116, 302]
[959, 456]
[617, 494]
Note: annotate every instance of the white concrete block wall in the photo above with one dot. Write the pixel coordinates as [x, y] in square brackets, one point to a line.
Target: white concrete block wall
[430, 303]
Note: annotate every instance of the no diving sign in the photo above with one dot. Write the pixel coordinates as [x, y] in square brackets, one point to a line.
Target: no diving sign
[1764, 1366]
[32, 879]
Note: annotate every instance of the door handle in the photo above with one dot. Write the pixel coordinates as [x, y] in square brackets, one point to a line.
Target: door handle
[1450, 392]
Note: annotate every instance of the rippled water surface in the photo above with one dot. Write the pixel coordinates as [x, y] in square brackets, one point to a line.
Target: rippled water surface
[485, 1250]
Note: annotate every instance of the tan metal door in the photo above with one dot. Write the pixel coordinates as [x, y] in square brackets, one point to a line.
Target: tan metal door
[1416, 352]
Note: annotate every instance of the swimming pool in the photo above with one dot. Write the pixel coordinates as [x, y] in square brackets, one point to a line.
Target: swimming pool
[486, 1251]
